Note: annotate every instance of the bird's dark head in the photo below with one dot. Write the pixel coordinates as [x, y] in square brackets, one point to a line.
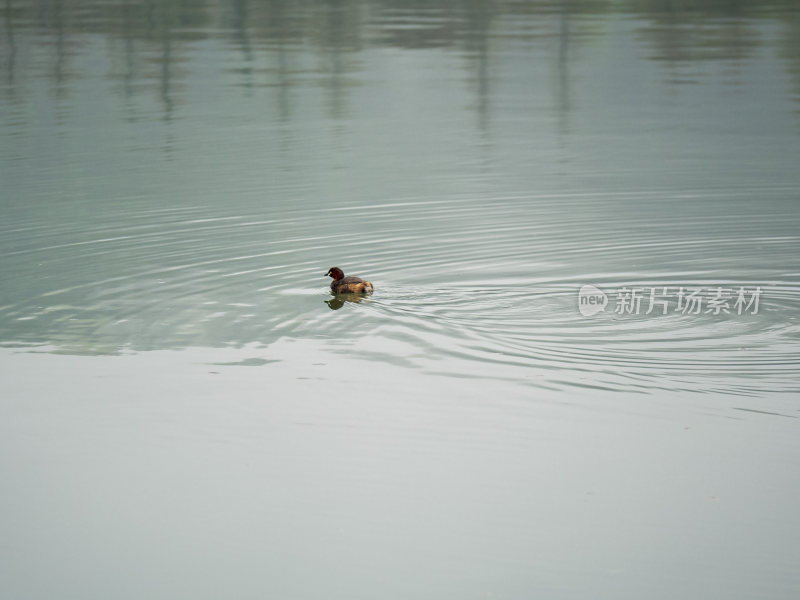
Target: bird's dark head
[336, 273]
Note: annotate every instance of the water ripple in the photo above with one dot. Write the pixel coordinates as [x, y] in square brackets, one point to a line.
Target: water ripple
[466, 287]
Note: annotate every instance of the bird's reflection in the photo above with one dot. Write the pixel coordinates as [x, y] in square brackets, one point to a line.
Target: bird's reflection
[339, 300]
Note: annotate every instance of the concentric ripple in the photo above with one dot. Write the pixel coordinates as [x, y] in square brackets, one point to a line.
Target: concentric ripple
[466, 287]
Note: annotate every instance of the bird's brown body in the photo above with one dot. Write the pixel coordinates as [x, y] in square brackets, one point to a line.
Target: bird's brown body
[348, 285]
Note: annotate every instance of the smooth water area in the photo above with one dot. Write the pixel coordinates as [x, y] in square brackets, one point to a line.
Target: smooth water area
[578, 376]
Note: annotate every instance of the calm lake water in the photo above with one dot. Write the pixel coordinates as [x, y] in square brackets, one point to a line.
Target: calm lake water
[578, 376]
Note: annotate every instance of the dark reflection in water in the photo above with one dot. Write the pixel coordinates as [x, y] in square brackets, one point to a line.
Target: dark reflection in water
[339, 300]
[151, 40]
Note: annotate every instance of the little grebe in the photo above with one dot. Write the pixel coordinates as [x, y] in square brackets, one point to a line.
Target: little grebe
[348, 285]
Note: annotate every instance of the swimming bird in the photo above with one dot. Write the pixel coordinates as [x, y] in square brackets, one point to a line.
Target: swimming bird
[348, 285]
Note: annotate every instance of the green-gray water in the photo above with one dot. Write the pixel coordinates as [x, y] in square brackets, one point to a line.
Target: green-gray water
[185, 411]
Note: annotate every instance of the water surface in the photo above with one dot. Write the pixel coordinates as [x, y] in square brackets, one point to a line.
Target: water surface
[181, 391]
